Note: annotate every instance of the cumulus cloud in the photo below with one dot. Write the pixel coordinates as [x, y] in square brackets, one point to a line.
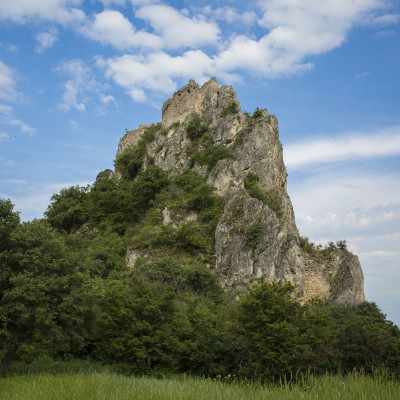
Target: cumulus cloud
[156, 71]
[385, 142]
[45, 40]
[295, 30]
[113, 28]
[230, 15]
[176, 29]
[61, 11]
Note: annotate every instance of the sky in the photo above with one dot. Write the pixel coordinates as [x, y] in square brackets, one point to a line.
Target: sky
[75, 74]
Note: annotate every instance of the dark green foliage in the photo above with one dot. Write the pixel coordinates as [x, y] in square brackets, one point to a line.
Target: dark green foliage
[68, 209]
[9, 220]
[187, 238]
[210, 156]
[130, 161]
[253, 234]
[196, 128]
[364, 339]
[231, 108]
[110, 203]
[269, 316]
[257, 113]
[65, 295]
[164, 317]
[322, 253]
[268, 197]
[48, 304]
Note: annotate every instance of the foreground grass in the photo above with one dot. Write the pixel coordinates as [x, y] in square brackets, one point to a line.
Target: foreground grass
[103, 385]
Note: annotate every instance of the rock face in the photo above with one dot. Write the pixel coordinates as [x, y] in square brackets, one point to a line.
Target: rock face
[256, 235]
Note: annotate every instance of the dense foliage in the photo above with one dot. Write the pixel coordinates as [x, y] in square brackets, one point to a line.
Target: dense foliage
[66, 291]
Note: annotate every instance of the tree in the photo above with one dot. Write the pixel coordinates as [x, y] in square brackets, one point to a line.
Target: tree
[48, 302]
[68, 209]
[9, 220]
[269, 317]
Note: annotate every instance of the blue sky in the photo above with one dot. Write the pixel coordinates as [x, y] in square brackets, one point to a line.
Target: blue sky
[75, 74]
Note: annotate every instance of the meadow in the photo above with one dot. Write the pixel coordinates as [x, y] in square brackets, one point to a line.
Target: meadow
[85, 381]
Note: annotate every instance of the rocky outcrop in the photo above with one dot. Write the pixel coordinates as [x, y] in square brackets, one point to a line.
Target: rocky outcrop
[256, 235]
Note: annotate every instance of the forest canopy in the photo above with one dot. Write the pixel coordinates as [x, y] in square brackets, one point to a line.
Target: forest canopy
[66, 292]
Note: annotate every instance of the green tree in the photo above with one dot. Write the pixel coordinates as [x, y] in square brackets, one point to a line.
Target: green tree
[9, 220]
[364, 339]
[68, 209]
[269, 318]
[48, 304]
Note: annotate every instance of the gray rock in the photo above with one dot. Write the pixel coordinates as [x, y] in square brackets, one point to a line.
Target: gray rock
[276, 253]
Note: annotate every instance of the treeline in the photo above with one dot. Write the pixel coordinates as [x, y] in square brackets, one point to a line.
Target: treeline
[65, 291]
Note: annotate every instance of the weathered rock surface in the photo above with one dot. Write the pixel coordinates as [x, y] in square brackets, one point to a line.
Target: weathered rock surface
[255, 146]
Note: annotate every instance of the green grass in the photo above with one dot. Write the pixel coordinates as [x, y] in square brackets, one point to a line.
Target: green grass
[87, 381]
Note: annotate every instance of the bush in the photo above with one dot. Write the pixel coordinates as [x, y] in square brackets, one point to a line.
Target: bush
[195, 128]
[231, 108]
[257, 113]
[253, 234]
[130, 161]
[210, 156]
[268, 197]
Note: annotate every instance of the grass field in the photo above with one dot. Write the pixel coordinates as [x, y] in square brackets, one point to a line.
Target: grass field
[90, 384]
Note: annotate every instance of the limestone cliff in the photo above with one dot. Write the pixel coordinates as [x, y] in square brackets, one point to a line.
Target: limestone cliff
[256, 235]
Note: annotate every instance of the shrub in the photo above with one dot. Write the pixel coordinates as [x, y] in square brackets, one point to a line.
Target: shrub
[257, 113]
[130, 161]
[231, 108]
[195, 127]
[253, 234]
[268, 197]
[210, 156]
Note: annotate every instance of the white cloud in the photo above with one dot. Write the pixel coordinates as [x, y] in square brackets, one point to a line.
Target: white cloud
[106, 99]
[4, 161]
[74, 88]
[108, 3]
[11, 48]
[230, 15]
[386, 19]
[176, 29]
[362, 75]
[5, 109]
[295, 30]
[45, 40]
[14, 181]
[4, 137]
[111, 27]
[62, 11]
[25, 128]
[8, 91]
[80, 75]
[82, 87]
[156, 71]
[346, 147]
